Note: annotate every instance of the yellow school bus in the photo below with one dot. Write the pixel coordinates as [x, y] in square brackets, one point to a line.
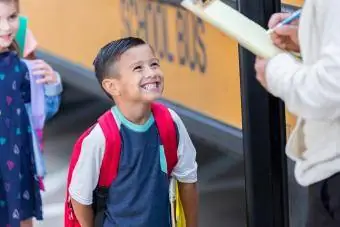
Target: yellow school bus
[200, 63]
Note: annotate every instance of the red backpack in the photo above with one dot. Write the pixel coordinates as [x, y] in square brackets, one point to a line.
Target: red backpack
[110, 163]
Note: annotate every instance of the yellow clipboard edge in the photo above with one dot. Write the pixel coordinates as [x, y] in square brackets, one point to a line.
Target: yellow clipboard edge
[199, 10]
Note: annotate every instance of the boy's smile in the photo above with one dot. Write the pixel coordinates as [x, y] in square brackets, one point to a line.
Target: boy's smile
[152, 86]
[140, 77]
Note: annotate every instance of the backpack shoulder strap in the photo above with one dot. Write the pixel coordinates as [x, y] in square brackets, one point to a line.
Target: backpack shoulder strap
[167, 133]
[37, 99]
[21, 34]
[110, 163]
[69, 217]
[76, 153]
[109, 167]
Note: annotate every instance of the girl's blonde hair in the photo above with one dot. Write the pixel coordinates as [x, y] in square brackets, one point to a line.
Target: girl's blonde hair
[14, 46]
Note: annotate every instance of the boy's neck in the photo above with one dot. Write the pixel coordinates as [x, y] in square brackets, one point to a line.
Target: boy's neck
[135, 113]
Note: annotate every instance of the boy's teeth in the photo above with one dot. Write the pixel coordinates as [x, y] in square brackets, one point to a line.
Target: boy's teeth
[149, 86]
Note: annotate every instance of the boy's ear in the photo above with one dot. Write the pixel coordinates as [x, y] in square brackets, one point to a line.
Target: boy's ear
[111, 86]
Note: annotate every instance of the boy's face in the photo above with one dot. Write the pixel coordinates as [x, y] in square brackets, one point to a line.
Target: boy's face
[9, 23]
[140, 77]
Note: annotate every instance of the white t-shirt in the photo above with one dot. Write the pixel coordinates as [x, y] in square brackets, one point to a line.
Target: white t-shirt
[86, 172]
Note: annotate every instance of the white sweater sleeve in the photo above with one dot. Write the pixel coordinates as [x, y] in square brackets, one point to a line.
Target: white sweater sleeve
[311, 91]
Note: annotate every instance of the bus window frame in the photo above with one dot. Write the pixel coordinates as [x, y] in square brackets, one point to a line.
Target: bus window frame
[264, 135]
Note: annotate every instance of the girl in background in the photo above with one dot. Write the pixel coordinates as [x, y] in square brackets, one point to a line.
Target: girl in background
[20, 199]
[52, 95]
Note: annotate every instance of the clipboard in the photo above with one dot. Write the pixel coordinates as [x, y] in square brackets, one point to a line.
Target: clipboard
[246, 32]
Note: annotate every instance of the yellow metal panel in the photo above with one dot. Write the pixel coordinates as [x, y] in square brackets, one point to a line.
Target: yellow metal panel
[200, 63]
[293, 2]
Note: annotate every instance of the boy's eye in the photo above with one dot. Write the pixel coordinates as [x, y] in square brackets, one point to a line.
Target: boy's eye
[137, 68]
[155, 64]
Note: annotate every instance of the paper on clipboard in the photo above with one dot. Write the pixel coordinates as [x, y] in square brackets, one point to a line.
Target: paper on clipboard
[249, 34]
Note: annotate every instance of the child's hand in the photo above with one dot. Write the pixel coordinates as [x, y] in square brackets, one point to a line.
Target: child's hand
[41, 68]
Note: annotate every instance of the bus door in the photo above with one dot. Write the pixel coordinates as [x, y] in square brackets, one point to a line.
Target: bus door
[264, 136]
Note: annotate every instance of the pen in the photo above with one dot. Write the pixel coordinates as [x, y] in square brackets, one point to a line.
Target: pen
[289, 19]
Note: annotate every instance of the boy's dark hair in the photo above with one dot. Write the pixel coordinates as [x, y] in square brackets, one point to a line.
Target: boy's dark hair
[110, 53]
